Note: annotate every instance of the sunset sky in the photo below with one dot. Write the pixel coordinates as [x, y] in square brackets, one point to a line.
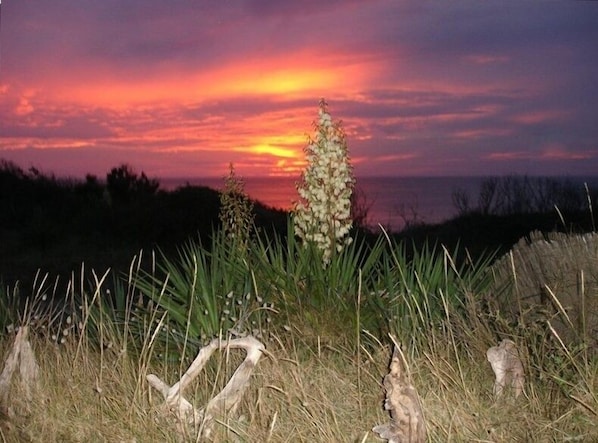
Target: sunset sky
[183, 88]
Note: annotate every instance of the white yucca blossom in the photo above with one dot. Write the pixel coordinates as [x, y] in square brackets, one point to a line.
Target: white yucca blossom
[323, 213]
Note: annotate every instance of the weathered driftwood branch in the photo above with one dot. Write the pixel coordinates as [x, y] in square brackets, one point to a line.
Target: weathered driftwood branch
[407, 424]
[21, 356]
[507, 367]
[227, 401]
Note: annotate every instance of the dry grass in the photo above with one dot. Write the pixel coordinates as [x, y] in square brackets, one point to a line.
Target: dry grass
[549, 275]
[319, 382]
[300, 393]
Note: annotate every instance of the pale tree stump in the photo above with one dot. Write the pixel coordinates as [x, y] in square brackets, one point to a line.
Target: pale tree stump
[407, 424]
[507, 367]
[225, 402]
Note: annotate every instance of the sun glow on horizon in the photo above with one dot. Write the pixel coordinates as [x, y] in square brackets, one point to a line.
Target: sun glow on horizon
[202, 114]
[274, 151]
[294, 75]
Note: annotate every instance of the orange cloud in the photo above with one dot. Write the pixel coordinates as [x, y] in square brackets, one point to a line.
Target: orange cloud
[289, 76]
[24, 107]
[155, 114]
[285, 167]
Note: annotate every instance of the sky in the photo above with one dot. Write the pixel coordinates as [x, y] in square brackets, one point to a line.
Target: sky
[182, 88]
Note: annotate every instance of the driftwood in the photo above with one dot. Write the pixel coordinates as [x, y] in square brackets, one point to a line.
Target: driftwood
[21, 356]
[507, 367]
[407, 423]
[225, 402]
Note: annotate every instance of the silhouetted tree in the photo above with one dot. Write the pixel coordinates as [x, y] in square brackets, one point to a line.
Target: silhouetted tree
[124, 184]
[360, 208]
[91, 190]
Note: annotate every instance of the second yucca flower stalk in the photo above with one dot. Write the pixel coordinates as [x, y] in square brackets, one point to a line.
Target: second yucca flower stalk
[236, 211]
[323, 213]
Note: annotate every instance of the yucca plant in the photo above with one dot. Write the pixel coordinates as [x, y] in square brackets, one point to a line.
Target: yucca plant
[322, 214]
[114, 316]
[203, 293]
[420, 290]
[292, 273]
[236, 209]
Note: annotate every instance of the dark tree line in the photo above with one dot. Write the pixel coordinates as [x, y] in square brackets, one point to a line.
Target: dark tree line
[510, 195]
[55, 224]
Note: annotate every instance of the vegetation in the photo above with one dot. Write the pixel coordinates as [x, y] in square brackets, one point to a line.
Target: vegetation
[236, 211]
[57, 224]
[98, 332]
[515, 194]
[321, 380]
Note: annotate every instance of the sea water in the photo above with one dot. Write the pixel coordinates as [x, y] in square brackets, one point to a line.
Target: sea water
[393, 202]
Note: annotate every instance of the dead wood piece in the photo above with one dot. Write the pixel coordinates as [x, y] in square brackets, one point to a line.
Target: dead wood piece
[226, 401]
[21, 356]
[507, 367]
[407, 423]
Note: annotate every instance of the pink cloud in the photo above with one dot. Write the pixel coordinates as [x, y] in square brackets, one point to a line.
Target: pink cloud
[560, 153]
[508, 156]
[486, 59]
[542, 116]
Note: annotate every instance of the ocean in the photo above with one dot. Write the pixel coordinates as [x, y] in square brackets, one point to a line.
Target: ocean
[393, 202]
